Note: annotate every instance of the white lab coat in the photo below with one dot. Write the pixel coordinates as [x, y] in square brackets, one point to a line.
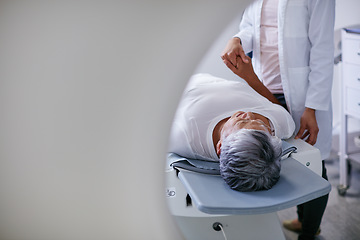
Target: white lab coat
[305, 35]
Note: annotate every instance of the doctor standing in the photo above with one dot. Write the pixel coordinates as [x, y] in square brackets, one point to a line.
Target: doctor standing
[292, 46]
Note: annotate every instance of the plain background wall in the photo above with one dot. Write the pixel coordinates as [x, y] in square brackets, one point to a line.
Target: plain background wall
[88, 90]
[212, 62]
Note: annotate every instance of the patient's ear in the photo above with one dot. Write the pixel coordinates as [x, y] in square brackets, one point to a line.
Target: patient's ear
[218, 148]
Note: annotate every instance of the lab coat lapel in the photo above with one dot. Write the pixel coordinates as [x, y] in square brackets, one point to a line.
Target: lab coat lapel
[283, 68]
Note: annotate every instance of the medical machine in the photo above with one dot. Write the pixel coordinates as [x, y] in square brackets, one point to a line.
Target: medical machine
[350, 88]
[204, 207]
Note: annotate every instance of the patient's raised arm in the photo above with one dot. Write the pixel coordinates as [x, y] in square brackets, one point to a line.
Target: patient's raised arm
[246, 72]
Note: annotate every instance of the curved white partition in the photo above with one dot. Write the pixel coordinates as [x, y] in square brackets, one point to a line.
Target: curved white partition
[87, 93]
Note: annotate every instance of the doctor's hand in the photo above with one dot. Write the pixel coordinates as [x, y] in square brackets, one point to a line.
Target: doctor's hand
[308, 127]
[232, 50]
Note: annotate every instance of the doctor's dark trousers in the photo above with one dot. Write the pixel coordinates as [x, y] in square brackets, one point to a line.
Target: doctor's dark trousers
[309, 213]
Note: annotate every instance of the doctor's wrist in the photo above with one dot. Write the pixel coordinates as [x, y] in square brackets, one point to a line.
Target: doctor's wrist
[310, 110]
[237, 40]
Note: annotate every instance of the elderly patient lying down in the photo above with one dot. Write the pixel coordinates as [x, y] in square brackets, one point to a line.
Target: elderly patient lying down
[228, 121]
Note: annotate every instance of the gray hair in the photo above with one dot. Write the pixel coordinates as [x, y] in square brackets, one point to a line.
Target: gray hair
[250, 160]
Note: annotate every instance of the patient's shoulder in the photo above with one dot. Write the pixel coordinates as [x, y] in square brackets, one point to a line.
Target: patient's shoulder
[206, 79]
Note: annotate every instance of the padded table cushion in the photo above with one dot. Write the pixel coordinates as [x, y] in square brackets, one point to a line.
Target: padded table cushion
[297, 184]
[212, 167]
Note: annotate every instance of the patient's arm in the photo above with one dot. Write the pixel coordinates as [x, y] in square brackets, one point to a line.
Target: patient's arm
[246, 72]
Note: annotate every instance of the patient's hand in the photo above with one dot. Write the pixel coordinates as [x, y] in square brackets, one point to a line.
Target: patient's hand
[232, 51]
[308, 127]
[242, 69]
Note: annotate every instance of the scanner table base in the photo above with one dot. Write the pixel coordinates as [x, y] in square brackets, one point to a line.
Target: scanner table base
[199, 200]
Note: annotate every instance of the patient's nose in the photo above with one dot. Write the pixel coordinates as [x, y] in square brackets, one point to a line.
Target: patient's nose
[247, 115]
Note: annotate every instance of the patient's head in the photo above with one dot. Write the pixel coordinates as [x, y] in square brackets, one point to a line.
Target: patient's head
[244, 120]
[250, 160]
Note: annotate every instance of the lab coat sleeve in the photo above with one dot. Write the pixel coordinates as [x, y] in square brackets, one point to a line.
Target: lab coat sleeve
[321, 36]
[246, 28]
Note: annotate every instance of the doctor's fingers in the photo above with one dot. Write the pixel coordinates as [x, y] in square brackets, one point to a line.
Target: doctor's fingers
[243, 56]
[313, 135]
[232, 52]
[238, 56]
[230, 57]
[300, 133]
[311, 138]
[240, 61]
[308, 135]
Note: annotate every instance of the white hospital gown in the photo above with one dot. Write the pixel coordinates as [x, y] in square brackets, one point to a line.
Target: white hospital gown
[206, 101]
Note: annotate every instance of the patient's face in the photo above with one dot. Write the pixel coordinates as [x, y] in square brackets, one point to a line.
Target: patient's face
[243, 120]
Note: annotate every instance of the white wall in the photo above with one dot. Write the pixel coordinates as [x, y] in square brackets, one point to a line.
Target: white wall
[212, 62]
[87, 93]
